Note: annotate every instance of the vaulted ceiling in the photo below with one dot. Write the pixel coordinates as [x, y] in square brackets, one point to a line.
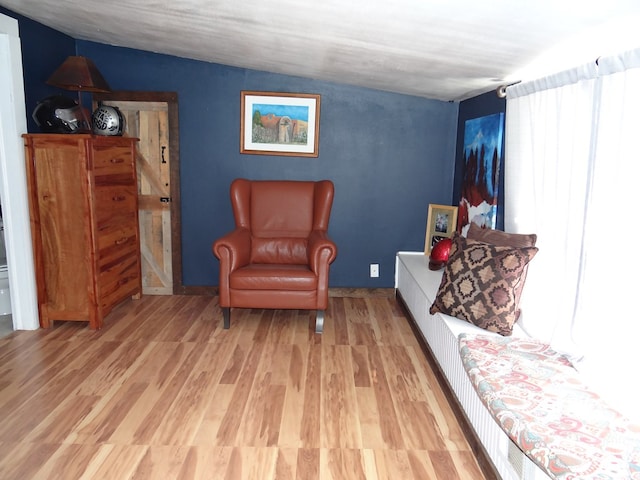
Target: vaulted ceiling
[440, 49]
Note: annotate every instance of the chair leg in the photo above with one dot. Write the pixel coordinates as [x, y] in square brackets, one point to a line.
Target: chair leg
[226, 315]
[319, 321]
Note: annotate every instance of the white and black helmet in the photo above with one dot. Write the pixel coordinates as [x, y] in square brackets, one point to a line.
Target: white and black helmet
[107, 120]
[59, 114]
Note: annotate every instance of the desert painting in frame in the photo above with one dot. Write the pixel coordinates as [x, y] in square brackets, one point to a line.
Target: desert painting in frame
[483, 143]
[274, 123]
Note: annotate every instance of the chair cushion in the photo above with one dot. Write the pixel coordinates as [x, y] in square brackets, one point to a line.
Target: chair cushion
[273, 277]
[291, 251]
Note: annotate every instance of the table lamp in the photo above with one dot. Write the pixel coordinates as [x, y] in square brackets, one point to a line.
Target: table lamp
[79, 74]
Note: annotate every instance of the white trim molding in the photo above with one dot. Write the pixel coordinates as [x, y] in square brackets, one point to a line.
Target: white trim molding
[13, 182]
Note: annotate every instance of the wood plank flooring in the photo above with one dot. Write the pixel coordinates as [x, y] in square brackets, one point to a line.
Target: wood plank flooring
[164, 392]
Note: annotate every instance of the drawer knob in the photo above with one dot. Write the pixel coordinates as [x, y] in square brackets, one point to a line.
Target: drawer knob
[117, 160]
[120, 241]
[118, 198]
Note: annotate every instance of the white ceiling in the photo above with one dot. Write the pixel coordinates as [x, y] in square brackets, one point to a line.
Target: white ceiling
[440, 49]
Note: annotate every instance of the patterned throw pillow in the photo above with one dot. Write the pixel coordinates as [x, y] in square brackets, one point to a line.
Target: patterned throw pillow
[480, 284]
[504, 239]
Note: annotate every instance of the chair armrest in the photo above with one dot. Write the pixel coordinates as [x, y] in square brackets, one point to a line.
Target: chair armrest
[322, 250]
[233, 250]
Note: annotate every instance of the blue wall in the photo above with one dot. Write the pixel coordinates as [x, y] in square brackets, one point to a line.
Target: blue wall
[389, 155]
[43, 50]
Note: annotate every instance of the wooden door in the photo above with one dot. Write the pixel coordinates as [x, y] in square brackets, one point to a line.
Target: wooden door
[152, 118]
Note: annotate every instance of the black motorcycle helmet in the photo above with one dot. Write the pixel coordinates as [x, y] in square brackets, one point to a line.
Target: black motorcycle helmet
[59, 114]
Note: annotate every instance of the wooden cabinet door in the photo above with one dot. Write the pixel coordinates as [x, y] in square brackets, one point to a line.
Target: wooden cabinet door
[152, 118]
[61, 200]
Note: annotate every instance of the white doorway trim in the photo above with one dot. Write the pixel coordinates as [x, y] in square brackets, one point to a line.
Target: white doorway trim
[13, 180]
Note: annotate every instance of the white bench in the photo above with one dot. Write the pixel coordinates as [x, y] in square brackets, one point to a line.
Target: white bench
[417, 286]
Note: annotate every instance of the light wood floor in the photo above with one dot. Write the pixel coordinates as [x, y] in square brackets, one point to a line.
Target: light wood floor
[163, 392]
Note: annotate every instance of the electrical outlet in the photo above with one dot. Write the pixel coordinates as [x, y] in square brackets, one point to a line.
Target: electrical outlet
[374, 270]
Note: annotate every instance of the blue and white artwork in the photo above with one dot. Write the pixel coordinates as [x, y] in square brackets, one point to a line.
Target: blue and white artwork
[483, 143]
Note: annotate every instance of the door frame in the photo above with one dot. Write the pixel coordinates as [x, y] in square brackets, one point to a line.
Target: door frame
[171, 98]
[13, 179]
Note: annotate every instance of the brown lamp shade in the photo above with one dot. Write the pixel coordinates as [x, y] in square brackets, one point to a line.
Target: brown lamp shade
[79, 73]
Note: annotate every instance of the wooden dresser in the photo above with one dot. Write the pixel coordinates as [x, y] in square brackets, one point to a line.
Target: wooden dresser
[84, 222]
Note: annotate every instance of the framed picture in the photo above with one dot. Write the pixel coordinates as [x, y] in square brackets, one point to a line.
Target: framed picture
[441, 223]
[279, 123]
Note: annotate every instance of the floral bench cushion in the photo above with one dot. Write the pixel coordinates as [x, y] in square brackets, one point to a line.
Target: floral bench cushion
[537, 397]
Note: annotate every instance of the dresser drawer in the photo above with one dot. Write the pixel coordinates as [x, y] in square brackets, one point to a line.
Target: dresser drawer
[114, 202]
[119, 281]
[112, 160]
[114, 241]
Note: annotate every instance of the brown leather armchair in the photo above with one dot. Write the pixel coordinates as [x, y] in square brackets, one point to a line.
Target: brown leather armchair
[278, 255]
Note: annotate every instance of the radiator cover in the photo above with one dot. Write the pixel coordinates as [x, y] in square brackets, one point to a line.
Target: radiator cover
[418, 286]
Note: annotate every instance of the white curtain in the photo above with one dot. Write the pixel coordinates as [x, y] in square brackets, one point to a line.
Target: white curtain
[572, 176]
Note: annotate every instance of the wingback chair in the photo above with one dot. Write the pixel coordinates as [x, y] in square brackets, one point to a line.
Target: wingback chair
[279, 253]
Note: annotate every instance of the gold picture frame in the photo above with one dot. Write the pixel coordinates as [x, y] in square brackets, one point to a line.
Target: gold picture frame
[273, 123]
[441, 223]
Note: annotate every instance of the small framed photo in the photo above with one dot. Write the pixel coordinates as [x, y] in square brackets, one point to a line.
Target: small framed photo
[274, 123]
[441, 223]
